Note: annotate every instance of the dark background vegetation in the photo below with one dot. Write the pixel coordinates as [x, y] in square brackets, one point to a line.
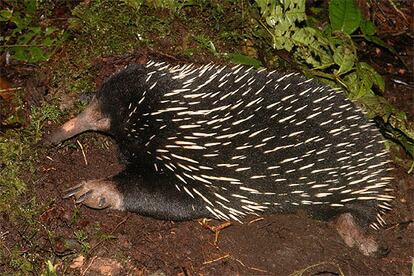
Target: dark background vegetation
[55, 54]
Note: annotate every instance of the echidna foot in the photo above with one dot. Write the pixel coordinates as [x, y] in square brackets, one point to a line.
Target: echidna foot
[97, 194]
[354, 236]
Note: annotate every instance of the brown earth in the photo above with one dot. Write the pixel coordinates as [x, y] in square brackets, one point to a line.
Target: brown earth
[125, 243]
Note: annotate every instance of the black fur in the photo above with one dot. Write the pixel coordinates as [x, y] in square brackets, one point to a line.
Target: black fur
[347, 147]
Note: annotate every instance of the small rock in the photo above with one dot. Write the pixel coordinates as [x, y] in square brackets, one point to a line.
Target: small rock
[77, 262]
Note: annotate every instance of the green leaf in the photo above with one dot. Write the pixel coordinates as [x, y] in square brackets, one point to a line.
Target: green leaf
[30, 6]
[312, 47]
[36, 30]
[5, 14]
[50, 30]
[20, 53]
[380, 42]
[365, 85]
[48, 41]
[344, 15]
[36, 54]
[360, 82]
[50, 269]
[345, 58]
[16, 19]
[245, 60]
[379, 106]
[351, 82]
[364, 69]
[25, 38]
[367, 27]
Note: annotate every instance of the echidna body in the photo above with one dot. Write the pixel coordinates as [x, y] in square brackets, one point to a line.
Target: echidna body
[225, 142]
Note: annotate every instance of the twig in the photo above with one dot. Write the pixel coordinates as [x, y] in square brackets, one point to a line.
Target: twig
[89, 265]
[227, 255]
[215, 229]
[255, 220]
[397, 10]
[5, 247]
[302, 271]
[83, 152]
[216, 260]
[120, 223]
[10, 89]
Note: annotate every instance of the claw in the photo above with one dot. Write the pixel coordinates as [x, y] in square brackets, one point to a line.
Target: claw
[102, 202]
[97, 194]
[73, 190]
[83, 197]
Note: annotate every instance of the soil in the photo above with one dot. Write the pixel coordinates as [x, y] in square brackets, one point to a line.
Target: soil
[126, 243]
[82, 241]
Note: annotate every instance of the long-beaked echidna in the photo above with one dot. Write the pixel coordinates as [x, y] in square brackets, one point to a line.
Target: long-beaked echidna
[223, 142]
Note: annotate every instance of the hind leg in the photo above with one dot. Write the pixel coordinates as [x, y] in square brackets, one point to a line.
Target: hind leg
[354, 235]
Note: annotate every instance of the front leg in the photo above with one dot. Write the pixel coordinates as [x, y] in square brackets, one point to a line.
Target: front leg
[97, 194]
[140, 192]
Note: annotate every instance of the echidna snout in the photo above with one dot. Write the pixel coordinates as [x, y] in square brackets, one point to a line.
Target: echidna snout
[226, 142]
[91, 118]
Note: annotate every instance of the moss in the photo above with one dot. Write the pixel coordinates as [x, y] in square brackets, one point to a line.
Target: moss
[18, 156]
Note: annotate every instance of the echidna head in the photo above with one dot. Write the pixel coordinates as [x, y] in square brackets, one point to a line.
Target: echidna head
[109, 105]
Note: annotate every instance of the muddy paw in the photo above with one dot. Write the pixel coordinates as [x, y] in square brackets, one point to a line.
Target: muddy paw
[97, 194]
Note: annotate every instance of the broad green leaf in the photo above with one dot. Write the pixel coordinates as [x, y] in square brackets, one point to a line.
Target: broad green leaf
[379, 106]
[21, 22]
[344, 15]
[36, 54]
[36, 30]
[351, 82]
[312, 47]
[360, 82]
[16, 19]
[367, 27]
[365, 85]
[367, 70]
[407, 144]
[345, 58]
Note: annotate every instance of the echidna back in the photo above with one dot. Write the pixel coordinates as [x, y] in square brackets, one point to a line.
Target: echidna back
[247, 141]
